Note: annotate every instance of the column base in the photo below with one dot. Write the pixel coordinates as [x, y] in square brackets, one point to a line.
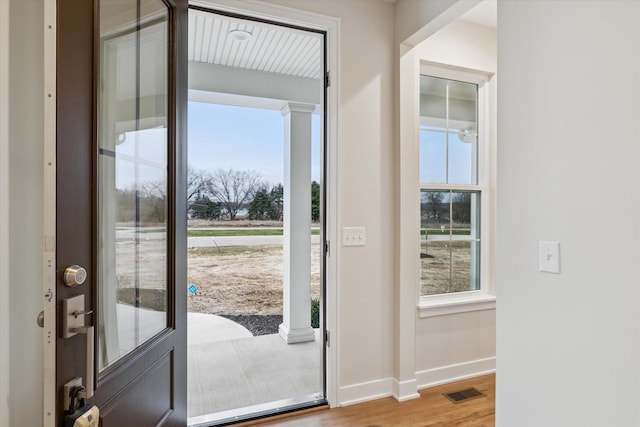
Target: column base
[292, 336]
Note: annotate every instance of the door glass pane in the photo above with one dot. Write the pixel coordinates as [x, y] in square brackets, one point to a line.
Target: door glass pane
[132, 176]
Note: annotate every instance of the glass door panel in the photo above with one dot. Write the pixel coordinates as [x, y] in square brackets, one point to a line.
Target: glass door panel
[132, 176]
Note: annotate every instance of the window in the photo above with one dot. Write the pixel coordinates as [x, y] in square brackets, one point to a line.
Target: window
[453, 184]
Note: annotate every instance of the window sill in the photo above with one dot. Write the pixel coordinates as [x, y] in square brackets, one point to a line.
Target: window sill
[452, 304]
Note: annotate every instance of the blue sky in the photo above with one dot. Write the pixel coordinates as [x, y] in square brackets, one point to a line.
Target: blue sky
[224, 137]
[433, 158]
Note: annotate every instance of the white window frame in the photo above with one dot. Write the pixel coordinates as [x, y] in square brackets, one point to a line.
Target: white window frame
[483, 298]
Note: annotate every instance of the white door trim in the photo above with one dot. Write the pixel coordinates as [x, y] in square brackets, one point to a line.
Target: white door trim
[4, 213]
[331, 25]
[49, 215]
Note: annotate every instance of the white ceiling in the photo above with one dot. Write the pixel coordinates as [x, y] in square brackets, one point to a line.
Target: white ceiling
[272, 48]
[483, 14]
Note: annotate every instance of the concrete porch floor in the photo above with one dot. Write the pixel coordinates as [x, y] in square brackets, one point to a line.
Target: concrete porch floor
[229, 369]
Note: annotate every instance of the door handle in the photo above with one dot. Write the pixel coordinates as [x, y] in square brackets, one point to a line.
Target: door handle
[89, 380]
[73, 322]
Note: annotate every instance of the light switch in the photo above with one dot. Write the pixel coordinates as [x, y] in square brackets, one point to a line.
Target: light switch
[550, 257]
[354, 236]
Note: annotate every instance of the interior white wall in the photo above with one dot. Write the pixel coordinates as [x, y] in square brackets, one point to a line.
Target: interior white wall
[415, 20]
[4, 214]
[462, 44]
[458, 345]
[26, 61]
[568, 344]
[365, 179]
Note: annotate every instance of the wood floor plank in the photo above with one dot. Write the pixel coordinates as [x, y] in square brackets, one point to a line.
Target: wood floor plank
[432, 409]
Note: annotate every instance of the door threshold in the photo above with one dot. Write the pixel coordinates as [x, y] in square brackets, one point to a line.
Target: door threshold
[254, 412]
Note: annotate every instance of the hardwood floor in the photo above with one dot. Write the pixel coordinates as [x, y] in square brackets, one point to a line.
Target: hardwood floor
[431, 409]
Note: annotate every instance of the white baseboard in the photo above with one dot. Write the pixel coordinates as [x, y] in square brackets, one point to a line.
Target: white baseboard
[452, 373]
[405, 390]
[364, 392]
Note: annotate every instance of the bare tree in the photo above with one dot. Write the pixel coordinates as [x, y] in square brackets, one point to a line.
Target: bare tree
[432, 201]
[153, 200]
[234, 189]
[198, 181]
[462, 208]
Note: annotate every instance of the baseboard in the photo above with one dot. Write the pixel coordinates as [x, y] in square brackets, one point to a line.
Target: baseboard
[452, 373]
[405, 390]
[364, 392]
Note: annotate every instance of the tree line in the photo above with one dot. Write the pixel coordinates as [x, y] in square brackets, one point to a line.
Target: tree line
[434, 207]
[225, 193]
[218, 195]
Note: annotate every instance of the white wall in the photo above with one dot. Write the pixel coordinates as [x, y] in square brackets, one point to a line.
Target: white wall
[417, 19]
[365, 179]
[569, 150]
[458, 345]
[4, 213]
[25, 211]
[462, 44]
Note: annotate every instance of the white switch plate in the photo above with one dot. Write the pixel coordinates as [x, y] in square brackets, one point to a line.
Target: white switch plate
[550, 257]
[354, 236]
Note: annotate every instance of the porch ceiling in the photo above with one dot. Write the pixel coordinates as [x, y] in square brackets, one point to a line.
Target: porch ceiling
[272, 48]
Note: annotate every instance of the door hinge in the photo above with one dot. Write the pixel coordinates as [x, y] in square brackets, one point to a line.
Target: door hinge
[327, 341]
[326, 248]
[327, 80]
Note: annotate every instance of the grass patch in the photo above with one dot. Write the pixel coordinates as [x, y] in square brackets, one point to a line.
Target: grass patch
[437, 232]
[232, 250]
[241, 232]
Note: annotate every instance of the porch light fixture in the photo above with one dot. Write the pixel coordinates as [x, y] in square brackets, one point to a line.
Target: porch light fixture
[240, 35]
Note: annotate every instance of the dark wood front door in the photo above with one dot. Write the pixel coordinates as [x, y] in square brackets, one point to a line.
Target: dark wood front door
[121, 208]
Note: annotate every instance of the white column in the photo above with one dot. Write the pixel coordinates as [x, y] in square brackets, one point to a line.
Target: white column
[296, 322]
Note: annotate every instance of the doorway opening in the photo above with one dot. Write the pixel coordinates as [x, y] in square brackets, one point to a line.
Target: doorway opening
[256, 223]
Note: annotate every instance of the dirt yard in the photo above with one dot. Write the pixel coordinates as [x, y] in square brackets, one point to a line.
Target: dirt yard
[241, 280]
[435, 260]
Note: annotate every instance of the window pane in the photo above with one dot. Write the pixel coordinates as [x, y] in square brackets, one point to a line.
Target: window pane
[433, 102]
[463, 162]
[435, 264]
[434, 213]
[465, 210]
[433, 157]
[449, 241]
[465, 266]
[463, 107]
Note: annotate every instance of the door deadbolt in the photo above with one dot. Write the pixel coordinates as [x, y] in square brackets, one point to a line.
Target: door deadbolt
[74, 275]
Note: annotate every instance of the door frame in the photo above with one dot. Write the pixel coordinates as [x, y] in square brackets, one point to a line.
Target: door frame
[330, 25]
[4, 213]
[49, 214]
[260, 10]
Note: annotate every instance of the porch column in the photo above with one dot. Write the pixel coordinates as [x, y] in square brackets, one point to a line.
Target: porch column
[296, 321]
